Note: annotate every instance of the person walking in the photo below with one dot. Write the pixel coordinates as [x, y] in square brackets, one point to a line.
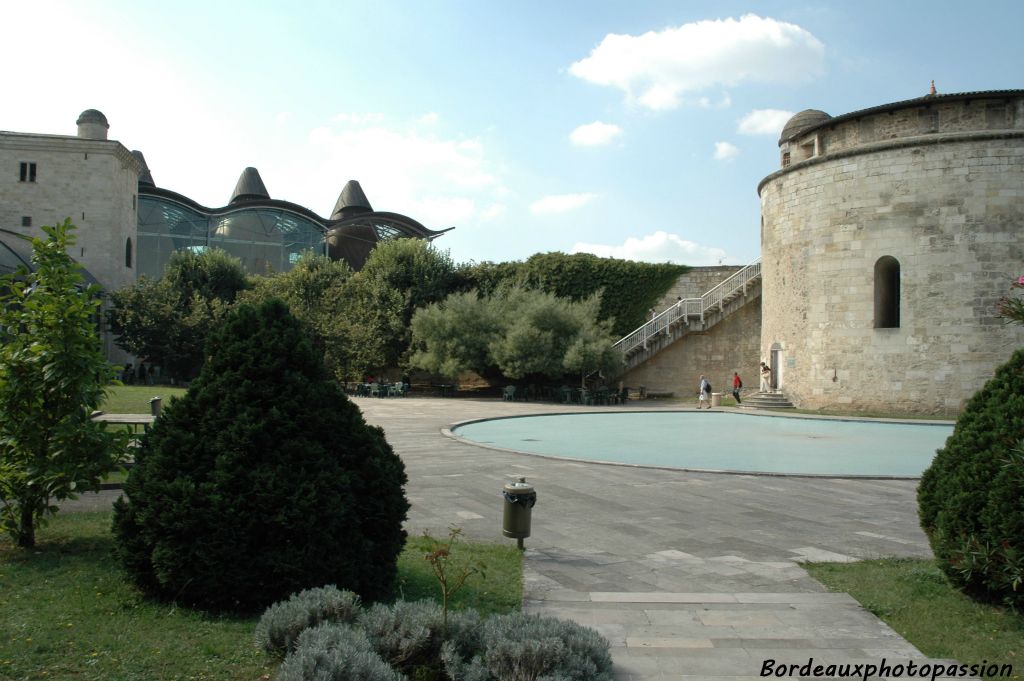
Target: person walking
[737, 383]
[704, 393]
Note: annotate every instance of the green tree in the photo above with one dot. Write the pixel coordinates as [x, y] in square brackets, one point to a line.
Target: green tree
[517, 333]
[971, 498]
[167, 321]
[263, 480]
[1011, 307]
[455, 335]
[400, 277]
[53, 375]
[336, 308]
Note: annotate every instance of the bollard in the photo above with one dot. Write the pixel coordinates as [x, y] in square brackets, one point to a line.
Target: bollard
[520, 498]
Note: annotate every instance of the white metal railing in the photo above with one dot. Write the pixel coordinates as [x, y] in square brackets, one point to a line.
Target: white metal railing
[691, 308]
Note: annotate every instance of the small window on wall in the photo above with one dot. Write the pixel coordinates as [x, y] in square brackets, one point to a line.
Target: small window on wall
[887, 293]
[27, 172]
[128, 252]
[26, 220]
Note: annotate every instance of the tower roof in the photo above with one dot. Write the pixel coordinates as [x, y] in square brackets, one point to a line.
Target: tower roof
[351, 200]
[92, 116]
[249, 187]
[145, 177]
[806, 119]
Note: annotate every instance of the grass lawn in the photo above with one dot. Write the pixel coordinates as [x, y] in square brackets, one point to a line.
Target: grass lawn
[913, 597]
[66, 611]
[134, 399]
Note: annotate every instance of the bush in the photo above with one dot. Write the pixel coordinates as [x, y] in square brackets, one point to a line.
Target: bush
[971, 499]
[520, 646]
[334, 652]
[262, 481]
[280, 626]
[409, 635]
[406, 639]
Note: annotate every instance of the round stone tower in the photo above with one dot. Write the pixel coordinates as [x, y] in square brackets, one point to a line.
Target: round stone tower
[888, 237]
[92, 125]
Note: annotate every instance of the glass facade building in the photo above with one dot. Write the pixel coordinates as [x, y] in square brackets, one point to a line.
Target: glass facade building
[267, 235]
[266, 239]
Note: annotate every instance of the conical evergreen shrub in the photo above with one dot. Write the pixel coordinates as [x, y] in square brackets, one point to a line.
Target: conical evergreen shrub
[263, 480]
[971, 499]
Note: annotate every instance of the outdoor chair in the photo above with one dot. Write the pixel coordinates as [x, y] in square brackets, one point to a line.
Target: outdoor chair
[508, 393]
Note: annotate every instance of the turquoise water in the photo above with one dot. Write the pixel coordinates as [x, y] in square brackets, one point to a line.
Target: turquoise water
[721, 441]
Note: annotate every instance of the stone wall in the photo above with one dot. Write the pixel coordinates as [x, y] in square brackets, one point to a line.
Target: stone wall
[951, 214]
[93, 182]
[731, 345]
[696, 283]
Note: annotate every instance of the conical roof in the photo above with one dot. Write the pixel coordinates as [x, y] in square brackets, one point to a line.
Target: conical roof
[249, 187]
[145, 177]
[350, 200]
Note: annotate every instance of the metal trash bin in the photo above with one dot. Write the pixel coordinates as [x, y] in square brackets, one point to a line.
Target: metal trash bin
[154, 406]
[716, 399]
[520, 498]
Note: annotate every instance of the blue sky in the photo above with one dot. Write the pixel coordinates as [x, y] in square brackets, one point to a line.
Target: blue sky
[636, 130]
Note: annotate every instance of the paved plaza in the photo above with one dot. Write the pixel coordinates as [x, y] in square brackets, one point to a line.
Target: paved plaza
[689, 575]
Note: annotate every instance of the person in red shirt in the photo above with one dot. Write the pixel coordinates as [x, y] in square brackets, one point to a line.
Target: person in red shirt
[736, 385]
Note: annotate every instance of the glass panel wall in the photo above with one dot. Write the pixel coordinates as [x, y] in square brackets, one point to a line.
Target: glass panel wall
[267, 240]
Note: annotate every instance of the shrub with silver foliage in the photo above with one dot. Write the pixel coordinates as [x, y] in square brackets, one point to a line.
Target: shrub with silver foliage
[520, 646]
[281, 624]
[409, 634]
[335, 652]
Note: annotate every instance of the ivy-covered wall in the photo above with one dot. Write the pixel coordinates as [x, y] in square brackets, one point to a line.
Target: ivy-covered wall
[629, 288]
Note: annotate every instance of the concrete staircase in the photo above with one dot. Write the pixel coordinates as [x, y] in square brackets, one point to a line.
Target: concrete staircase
[691, 315]
[766, 401]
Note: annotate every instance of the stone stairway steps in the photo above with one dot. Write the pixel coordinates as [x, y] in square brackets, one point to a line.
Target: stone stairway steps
[766, 401]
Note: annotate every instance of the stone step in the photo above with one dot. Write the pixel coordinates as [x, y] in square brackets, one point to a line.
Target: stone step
[767, 401]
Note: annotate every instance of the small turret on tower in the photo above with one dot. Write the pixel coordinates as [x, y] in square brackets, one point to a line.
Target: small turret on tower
[92, 125]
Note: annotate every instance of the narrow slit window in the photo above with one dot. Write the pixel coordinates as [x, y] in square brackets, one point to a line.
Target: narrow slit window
[128, 252]
[887, 293]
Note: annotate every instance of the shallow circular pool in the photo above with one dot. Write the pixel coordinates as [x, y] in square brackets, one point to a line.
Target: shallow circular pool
[719, 441]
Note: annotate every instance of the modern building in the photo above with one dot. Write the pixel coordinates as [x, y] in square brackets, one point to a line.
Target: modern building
[128, 226]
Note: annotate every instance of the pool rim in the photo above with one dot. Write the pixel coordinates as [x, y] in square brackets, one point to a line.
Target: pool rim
[448, 431]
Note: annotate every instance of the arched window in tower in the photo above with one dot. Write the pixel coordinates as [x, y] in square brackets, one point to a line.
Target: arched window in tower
[128, 252]
[887, 293]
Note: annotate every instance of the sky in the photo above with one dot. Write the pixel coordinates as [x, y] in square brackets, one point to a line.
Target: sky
[634, 130]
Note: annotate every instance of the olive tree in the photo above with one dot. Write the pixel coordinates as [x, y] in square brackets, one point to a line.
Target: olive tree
[517, 333]
[53, 375]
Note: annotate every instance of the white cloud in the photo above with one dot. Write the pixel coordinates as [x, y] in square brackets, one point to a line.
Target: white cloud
[431, 118]
[493, 211]
[560, 203]
[438, 181]
[657, 247]
[657, 68]
[594, 134]
[725, 151]
[358, 118]
[764, 122]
